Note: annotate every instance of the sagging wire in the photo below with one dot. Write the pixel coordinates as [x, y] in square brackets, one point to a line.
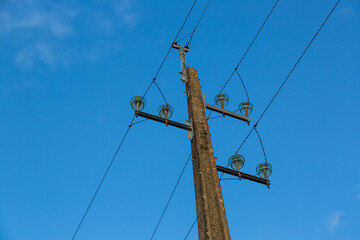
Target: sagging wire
[247, 95]
[131, 124]
[168, 52]
[332, 10]
[252, 42]
[171, 196]
[103, 178]
[262, 145]
[247, 50]
[138, 122]
[173, 191]
[195, 28]
[291, 71]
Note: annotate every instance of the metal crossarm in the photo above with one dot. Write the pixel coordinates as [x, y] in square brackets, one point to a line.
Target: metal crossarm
[227, 113]
[163, 120]
[174, 45]
[243, 175]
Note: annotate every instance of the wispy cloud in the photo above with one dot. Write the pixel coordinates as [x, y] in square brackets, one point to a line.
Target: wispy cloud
[334, 220]
[350, 8]
[43, 51]
[347, 11]
[30, 17]
[34, 31]
[20, 85]
[358, 196]
[126, 10]
[38, 29]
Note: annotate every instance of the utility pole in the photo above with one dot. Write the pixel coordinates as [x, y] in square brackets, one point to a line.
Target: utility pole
[212, 222]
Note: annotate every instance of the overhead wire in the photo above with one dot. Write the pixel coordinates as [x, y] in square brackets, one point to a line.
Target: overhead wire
[161, 92]
[191, 228]
[195, 28]
[225, 179]
[246, 92]
[138, 122]
[252, 42]
[246, 52]
[292, 69]
[171, 196]
[130, 125]
[168, 52]
[197, 24]
[174, 189]
[221, 178]
[261, 143]
[103, 178]
[272, 100]
[186, 163]
[231, 75]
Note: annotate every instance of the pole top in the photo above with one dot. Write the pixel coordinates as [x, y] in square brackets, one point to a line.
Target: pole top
[174, 45]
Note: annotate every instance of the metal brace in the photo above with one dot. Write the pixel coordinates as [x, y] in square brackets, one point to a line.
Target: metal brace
[183, 65]
[182, 51]
[190, 132]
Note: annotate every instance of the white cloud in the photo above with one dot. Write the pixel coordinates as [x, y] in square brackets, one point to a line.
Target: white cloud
[349, 8]
[358, 196]
[24, 58]
[333, 220]
[34, 30]
[44, 51]
[22, 19]
[49, 33]
[347, 11]
[126, 11]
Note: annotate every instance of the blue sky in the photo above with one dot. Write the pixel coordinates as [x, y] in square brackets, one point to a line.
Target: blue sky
[69, 69]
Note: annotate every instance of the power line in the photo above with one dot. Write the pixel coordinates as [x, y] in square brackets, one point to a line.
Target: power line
[247, 50]
[161, 92]
[231, 75]
[192, 226]
[171, 195]
[252, 42]
[192, 7]
[196, 26]
[131, 124]
[173, 191]
[103, 178]
[287, 77]
[242, 82]
[138, 122]
[181, 174]
[293, 68]
[261, 143]
[168, 52]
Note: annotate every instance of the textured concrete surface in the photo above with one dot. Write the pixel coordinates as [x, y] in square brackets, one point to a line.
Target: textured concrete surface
[212, 222]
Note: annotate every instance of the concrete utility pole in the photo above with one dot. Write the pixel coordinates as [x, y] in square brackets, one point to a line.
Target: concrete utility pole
[212, 222]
